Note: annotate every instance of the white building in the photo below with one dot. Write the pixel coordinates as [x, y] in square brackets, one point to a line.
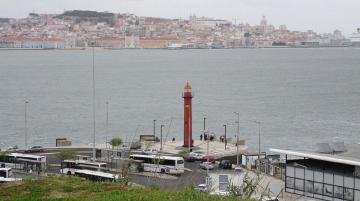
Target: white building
[333, 174]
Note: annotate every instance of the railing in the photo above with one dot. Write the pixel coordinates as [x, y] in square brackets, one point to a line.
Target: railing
[272, 169]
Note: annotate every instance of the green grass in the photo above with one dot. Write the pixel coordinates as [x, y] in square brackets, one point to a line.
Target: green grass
[65, 188]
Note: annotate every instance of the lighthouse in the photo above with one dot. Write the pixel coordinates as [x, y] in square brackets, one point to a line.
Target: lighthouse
[187, 95]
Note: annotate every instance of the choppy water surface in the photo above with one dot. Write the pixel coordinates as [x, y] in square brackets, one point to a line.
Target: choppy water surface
[301, 96]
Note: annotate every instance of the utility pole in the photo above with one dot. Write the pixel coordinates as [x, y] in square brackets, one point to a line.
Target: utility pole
[154, 129]
[204, 123]
[225, 136]
[93, 101]
[107, 123]
[259, 124]
[237, 137]
[161, 138]
[204, 129]
[207, 156]
[25, 128]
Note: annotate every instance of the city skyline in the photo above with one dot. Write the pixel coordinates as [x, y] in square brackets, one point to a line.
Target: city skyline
[321, 16]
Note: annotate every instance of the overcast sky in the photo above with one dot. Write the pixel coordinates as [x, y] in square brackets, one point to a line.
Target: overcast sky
[318, 15]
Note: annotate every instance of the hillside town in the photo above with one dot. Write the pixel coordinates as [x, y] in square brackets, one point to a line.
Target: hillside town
[80, 29]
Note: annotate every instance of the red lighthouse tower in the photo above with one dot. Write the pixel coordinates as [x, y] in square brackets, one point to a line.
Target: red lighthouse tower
[187, 95]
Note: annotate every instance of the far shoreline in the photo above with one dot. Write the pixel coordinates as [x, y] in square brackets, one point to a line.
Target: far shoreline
[106, 48]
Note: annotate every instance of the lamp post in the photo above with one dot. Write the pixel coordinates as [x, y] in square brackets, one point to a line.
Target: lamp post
[93, 101]
[154, 128]
[161, 142]
[25, 128]
[259, 126]
[204, 128]
[204, 122]
[225, 136]
[107, 123]
[237, 137]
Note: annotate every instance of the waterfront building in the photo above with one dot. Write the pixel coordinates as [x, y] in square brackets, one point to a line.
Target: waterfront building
[34, 43]
[110, 42]
[355, 38]
[158, 42]
[331, 173]
[132, 41]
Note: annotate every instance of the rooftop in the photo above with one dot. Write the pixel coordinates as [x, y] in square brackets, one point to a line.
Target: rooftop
[349, 157]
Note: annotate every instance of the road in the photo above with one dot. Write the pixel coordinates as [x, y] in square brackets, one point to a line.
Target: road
[189, 178]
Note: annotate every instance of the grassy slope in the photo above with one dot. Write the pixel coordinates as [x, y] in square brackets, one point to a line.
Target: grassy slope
[76, 189]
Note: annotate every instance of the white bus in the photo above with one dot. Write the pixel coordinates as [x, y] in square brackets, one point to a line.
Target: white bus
[26, 162]
[70, 166]
[162, 164]
[96, 175]
[6, 175]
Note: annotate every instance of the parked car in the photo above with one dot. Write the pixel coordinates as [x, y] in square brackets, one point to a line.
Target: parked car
[207, 165]
[201, 188]
[35, 149]
[190, 158]
[225, 164]
[238, 169]
[150, 151]
[208, 159]
[12, 149]
[197, 155]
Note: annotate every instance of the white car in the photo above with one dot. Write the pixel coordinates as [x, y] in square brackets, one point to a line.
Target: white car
[150, 151]
[197, 156]
[201, 188]
[238, 169]
[207, 165]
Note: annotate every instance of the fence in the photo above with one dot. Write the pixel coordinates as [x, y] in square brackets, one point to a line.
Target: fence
[274, 169]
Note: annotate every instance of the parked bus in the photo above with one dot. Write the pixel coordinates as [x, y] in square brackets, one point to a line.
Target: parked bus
[70, 166]
[162, 164]
[96, 175]
[24, 162]
[6, 175]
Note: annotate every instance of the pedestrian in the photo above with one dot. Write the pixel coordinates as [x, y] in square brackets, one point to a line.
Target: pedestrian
[173, 140]
[201, 137]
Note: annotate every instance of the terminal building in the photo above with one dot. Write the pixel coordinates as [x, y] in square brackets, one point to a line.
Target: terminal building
[331, 173]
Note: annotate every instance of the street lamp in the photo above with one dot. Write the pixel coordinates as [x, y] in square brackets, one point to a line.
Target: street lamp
[161, 142]
[204, 128]
[204, 122]
[225, 136]
[237, 137]
[93, 101]
[154, 129]
[107, 123]
[25, 128]
[259, 124]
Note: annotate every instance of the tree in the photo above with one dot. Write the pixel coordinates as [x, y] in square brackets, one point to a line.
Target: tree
[115, 142]
[66, 154]
[125, 171]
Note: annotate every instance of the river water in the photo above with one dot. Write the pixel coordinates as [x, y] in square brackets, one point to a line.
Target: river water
[300, 96]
